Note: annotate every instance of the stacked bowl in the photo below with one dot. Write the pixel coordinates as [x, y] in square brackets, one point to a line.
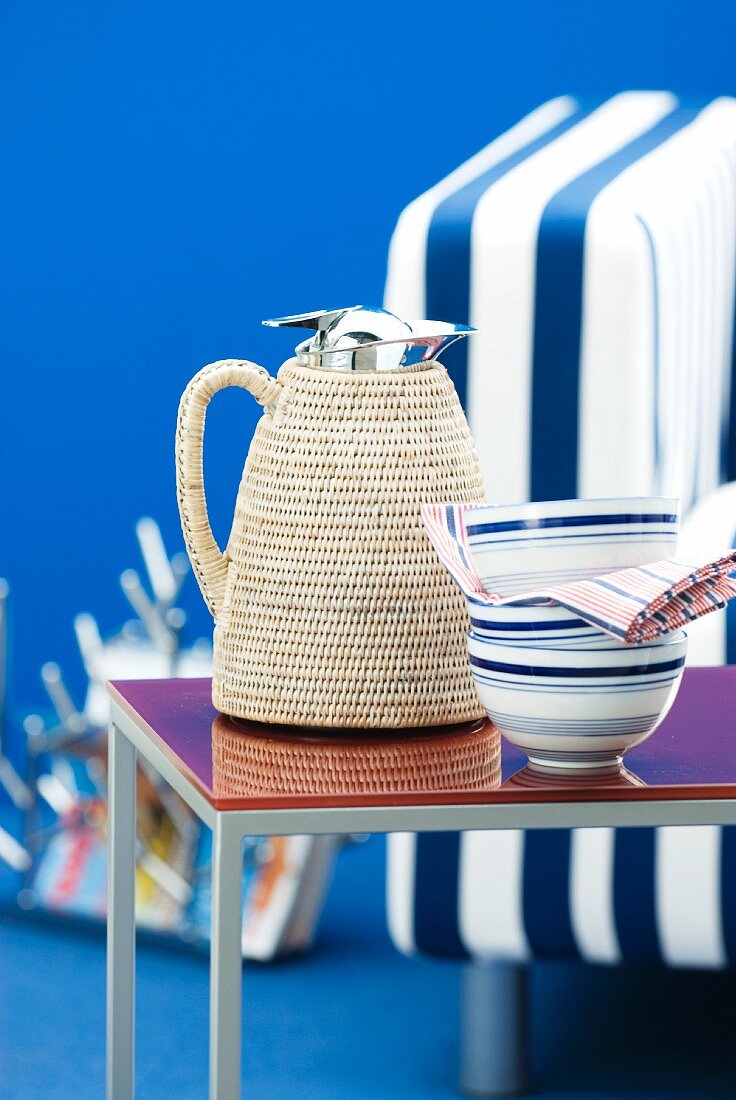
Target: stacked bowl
[565, 692]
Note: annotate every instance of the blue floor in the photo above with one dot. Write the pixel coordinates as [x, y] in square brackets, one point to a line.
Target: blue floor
[352, 1021]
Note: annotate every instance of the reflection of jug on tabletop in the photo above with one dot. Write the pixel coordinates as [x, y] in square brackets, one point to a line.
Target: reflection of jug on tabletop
[251, 759]
[330, 606]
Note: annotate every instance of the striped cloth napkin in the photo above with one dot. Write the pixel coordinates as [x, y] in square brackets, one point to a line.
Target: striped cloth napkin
[634, 605]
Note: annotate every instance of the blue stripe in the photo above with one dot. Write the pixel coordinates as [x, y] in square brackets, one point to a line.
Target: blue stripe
[546, 893]
[634, 903]
[546, 522]
[716, 600]
[560, 624]
[525, 686]
[452, 529]
[593, 538]
[573, 724]
[577, 673]
[521, 729]
[600, 583]
[596, 620]
[558, 313]
[447, 291]
[728, 890]
[731, 623]
[657, 576]
[436, 895]
[728, 441]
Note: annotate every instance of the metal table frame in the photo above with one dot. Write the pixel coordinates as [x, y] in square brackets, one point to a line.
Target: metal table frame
[129, 737]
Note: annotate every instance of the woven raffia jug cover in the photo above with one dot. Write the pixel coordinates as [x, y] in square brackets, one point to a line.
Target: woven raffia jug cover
[331, 608]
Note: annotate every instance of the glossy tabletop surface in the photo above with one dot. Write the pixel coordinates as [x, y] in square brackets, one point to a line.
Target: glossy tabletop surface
[238, 765]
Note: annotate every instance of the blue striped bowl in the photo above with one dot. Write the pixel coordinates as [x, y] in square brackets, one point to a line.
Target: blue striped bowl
[577, 708]
[534, 625]
[520, 547]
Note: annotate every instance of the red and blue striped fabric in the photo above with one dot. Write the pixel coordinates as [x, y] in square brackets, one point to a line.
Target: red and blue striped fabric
[634, 605]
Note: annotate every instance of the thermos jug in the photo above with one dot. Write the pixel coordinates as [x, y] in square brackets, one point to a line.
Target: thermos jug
[331, 608]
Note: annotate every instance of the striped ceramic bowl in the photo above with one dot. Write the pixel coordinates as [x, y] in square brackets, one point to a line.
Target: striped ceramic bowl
[534, 625]
[520, 547]
[577, 708]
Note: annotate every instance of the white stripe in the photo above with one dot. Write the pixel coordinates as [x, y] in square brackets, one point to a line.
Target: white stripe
[708, 532]
[710, 527]
[491, 878]
[698, 444]
[616, 375]
[504, 241]
[688, 895]
[716, 131]
[400, 874]
[591, 895]
[706, 640]
[683, 191]
[711, 329]
[405, 283]
[725, 215]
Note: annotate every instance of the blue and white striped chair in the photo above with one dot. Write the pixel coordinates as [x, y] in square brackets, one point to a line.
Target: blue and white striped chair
[603, 367]
[499, 900]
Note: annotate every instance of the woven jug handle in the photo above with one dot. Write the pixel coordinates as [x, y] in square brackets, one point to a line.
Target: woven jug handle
[208, 561]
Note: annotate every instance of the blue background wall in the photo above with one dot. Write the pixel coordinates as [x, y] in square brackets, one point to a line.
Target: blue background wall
[174, 172]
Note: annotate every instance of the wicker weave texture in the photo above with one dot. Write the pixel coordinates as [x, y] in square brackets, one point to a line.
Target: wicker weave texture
[248, 765]
[330, 605]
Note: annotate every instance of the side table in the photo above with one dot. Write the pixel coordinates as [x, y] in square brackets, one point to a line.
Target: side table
[685, 775]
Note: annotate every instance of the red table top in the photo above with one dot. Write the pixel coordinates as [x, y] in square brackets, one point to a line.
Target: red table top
[691, 756]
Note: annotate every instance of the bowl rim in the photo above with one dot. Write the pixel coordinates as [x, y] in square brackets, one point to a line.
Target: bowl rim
[540, 509]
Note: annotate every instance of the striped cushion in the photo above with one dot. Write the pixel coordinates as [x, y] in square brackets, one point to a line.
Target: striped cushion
[664, 895]
[593, 247]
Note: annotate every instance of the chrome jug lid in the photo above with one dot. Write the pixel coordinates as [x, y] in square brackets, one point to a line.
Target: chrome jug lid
[366, 338]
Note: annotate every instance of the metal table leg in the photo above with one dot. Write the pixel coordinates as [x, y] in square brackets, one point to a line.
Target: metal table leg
[121, 918]
[226, 960]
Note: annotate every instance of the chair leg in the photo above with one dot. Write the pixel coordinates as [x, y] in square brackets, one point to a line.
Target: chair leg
[493, 1050]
